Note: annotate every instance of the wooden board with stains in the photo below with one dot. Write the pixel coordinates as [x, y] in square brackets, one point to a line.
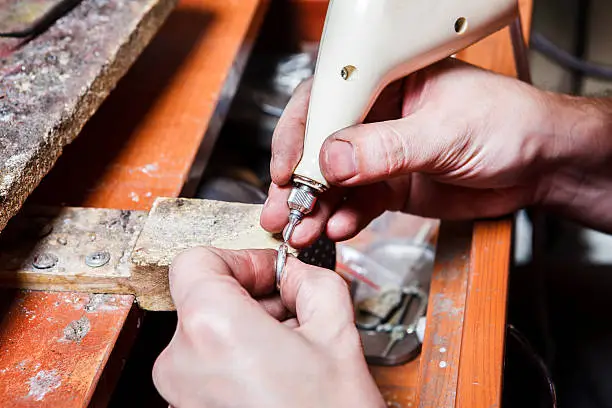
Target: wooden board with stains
[52, 84]
[140, 144]
[53, 345]
[109, 251]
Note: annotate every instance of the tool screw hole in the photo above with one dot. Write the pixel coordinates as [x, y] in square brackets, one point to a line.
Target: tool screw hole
[347, 72]
[461, 25]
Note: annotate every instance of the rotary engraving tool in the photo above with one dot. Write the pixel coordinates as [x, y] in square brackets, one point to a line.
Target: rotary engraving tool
[366, 45]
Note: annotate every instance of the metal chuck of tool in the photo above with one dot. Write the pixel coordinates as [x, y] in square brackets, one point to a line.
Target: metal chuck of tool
[301, 202]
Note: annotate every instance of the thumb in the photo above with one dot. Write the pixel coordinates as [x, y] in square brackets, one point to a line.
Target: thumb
[368, 153]
[320, 300]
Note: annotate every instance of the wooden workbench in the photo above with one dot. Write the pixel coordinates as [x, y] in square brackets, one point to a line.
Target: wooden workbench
[143, 142]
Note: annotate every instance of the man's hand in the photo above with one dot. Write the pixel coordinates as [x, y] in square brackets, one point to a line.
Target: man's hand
[237, 345]
[452, 142]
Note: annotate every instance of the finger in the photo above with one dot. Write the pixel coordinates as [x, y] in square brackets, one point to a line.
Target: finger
[274, 306]
[320, 299]
[368, 153]
[362, 205]
[213, 293]
[433, 199]
[275, 211]
[164, 377]
[274, 216]
[288, 137]
[212, 270]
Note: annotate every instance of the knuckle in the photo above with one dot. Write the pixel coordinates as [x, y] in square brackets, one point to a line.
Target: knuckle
[393, 148]
[196, 325]
[159, 368]
[333, 283]
[188, 258]
[200, 323]
[161, 375]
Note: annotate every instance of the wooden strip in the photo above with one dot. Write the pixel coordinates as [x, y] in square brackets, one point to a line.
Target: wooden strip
[484, 328]
[184, 48]
[441, 351]
[53, 84]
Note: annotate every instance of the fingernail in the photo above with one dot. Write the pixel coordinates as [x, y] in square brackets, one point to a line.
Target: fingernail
[340, 160]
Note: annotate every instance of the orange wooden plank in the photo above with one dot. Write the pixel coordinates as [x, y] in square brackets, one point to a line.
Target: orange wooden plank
[441, 351]
[398, 385]
[140, 144]
[484, 325]
[53, 345]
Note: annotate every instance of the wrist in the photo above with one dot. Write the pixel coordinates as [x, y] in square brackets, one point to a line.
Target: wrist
[579, 129]
[578, 145]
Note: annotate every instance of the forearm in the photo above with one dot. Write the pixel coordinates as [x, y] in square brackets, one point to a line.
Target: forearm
[578, 181]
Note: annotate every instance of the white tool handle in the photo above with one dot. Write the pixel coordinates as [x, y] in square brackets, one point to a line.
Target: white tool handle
[367, 44]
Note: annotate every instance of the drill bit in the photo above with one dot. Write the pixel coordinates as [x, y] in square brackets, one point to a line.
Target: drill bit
[294, 219]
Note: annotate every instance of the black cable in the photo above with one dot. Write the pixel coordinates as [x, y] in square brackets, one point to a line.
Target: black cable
[542, 44]
[583, 12]
[47, 20]
[535, 357]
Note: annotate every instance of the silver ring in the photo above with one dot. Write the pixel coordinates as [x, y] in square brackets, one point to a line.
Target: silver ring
[281, 261]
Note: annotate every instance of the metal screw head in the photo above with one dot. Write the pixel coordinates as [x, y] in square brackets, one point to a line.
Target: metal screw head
[344, 73]
[347, 72]
[44, 260]
[97, 259]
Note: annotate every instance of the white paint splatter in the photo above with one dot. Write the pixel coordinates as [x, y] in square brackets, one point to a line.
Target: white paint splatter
[42, 383]
[135, 198]
[442, 364]
[442, 350]
[149, 168]
[76, 330]
[100, 302]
